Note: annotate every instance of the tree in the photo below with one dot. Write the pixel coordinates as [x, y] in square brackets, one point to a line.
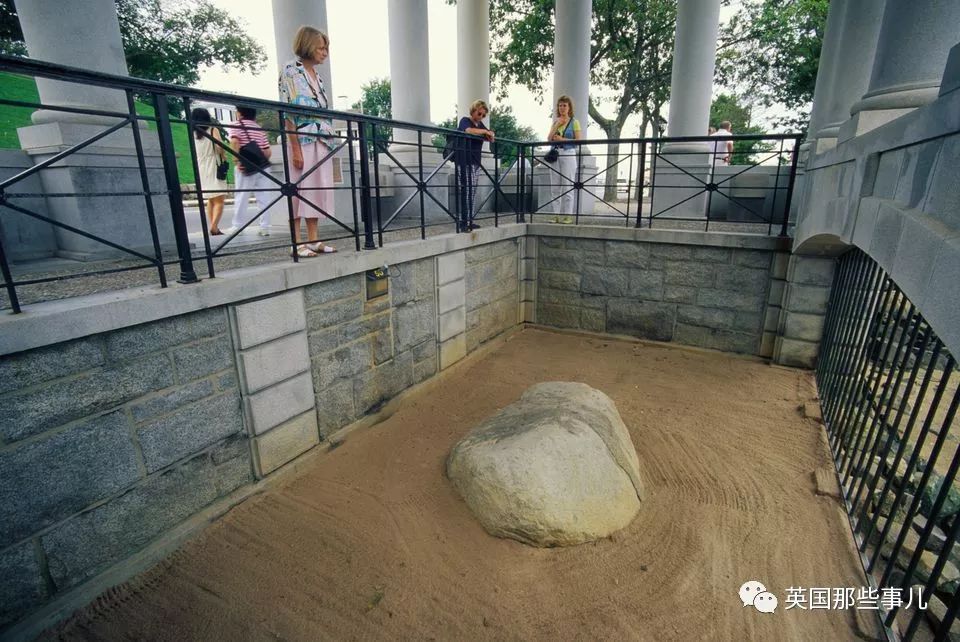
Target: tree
[504, 123]
[631, 55]
[375, 100]
[772, 47]
[169, 41]
[728, 107]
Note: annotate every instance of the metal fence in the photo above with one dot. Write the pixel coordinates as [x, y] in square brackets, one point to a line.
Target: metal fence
[393, 180]
[889, 392]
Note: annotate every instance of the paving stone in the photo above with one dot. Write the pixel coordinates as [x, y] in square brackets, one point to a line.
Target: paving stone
[203, 358]
[22, 587]
[274, 405]
[706, 317]
[482, 253]
[335, 313]
[560, 316]
[63, 473]
[644, 319]
[747, 321]
[324, 341]
[189, 430]
[716, 339]
[160, 335]
[367, 325]
[671, 252]
[559, 280]
[452, 323]
[424, 370]
[30, 412]
[326, 291]
[491, 272]
[646, 284]
[414, 322]
[701, 275]
[807, 327]
[233, 447]
[267, 319]
[450, 267]
[88, 543]
[29, 368]
[743, 278]
[450, 296]
[170, 400]
[342, 363]
[416, 280]
[486, 296]
[287, 441]
[679, 294]
[228, 381]
[335, 408]
[731, 299]
[382, 344]
[711, 254]
[606, 281]
[384, 382]
[811, 299]
[270, 363]
[627, 254]
[752, 258]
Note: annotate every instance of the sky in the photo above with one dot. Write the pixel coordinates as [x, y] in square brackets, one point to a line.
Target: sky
[360, 52]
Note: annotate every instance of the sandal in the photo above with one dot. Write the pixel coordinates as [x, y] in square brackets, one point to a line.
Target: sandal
[304, 252]
[321, 248]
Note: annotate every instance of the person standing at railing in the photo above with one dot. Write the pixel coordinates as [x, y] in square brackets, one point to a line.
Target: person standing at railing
[723, 149]
[565, 128]
[209, 156]
[469, 152]
[310, 138]
[249, 142]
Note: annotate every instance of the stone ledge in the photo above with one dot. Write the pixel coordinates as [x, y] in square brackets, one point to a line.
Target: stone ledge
[678, 237]
[52, 322]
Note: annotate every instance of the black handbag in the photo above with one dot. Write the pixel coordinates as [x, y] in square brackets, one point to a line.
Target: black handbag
[252, 158]
[552, 155]
[222, 169]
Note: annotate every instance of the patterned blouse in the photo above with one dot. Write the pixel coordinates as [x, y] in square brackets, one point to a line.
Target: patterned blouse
[296, 89]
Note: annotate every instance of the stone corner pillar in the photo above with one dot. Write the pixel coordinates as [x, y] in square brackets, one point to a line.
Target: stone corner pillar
[87, 35]
[914, 41]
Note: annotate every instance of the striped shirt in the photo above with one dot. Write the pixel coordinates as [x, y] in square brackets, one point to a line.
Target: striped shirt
[246, 130]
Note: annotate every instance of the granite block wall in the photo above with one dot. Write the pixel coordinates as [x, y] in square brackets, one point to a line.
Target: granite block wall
[712, 297]
[108, 441]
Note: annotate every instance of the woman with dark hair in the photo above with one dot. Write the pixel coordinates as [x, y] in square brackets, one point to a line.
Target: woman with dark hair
[209, 156]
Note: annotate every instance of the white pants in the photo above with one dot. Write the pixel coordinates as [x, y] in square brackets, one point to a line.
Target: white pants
[567, 166]
[255, 183]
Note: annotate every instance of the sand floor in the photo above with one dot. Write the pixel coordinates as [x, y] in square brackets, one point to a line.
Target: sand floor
[371, 542]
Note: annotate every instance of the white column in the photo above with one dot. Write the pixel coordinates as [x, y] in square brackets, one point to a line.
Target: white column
[77, 34]
[290, 15]
[859, 29]
[915, 38]
[571, 56]
[473, 53]
[694, 59]
[409, 65]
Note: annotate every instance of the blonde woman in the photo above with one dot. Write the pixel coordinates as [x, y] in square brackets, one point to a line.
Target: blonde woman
[565, 128]
[310, 137]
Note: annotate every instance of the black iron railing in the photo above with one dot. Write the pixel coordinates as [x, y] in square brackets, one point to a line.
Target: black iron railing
[889, 392]
[423, 191]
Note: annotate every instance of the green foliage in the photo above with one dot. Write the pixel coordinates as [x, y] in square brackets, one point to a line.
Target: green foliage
[168, 40]
[745, 152]
[23, 88]
[504, 123]
[375, 101]
[171, 41]
[771, 48]
[631, 55]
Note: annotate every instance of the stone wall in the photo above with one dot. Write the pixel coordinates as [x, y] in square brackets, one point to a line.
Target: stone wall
[108, 441]
[701, 295]
[492, 291]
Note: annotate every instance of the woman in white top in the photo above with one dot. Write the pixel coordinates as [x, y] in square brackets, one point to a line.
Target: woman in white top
[565, 128]
[209, 156]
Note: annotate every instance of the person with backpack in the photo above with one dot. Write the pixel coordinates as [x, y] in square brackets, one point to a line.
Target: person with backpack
[210, 157]
[249, 141]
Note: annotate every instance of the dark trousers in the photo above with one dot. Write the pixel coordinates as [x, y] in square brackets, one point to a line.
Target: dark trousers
[467, 176]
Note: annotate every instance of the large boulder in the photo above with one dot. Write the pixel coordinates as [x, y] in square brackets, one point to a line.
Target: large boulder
[556, 468]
